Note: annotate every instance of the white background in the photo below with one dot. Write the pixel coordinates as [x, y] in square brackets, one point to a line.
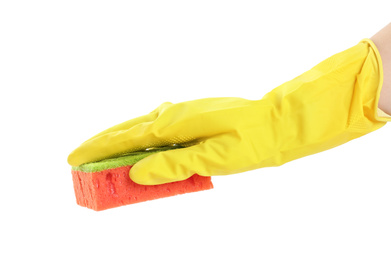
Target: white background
[69, 69]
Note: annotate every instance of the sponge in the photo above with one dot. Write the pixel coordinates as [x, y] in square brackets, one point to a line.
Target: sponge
[106, 184]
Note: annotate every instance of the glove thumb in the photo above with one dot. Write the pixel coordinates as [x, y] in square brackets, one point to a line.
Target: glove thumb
[206, 158]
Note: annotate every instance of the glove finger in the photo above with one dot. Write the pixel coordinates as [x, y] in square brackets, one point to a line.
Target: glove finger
[113, 141]
[219, 155]
[137, 138]
[134, 121]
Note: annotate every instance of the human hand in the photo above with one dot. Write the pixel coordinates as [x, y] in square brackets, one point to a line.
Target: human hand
[216, 131]
[331, 104]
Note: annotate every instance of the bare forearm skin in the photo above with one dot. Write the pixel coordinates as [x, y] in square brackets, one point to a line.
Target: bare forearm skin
[382, 40]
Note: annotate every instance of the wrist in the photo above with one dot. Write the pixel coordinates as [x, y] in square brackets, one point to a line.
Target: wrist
[382, 40]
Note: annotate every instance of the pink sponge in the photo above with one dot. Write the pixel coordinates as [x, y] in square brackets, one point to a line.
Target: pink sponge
[113, 188]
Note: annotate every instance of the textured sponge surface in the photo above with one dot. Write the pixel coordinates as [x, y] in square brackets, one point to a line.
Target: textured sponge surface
[106, 184]
[113, 188]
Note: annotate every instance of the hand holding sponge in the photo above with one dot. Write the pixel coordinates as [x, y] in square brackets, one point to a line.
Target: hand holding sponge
[334, 102]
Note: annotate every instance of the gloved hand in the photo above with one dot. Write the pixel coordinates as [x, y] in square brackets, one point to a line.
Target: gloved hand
[331, 104]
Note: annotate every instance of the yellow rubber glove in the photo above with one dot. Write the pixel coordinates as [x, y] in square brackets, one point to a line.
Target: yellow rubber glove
[331, 104]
